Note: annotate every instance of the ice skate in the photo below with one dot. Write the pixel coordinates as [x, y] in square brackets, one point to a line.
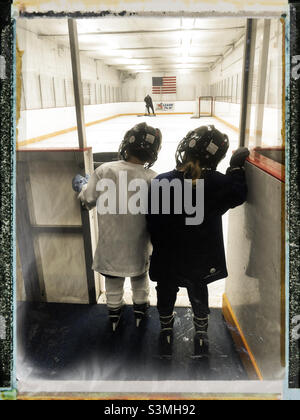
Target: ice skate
[201, 342]
[115, 317]
[166, 337]
[140, 312]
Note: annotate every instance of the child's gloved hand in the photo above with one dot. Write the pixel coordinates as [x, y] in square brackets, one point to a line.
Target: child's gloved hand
[79, 181]
[238, 158]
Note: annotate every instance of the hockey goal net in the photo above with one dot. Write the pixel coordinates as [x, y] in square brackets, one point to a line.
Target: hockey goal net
[203, 107]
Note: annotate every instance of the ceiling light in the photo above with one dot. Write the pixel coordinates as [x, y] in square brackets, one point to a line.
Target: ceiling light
[138, 67]
[188, 23]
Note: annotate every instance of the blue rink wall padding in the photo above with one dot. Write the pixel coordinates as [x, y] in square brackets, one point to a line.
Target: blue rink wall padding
[255, 255]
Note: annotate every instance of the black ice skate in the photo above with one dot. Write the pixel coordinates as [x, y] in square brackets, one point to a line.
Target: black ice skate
[166, 336]
[115, 317]
[140, 312]
[201, 342]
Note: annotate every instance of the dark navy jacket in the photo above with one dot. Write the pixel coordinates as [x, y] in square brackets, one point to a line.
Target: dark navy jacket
[183, 254]
[148, 101]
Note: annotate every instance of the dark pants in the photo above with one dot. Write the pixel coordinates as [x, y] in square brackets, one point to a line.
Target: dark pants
[167, 294]
[148, 108]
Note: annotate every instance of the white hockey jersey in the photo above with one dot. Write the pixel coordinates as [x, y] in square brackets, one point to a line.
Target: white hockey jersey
[124, 246]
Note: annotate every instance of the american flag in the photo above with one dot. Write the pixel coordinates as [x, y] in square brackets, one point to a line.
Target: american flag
[163, 85]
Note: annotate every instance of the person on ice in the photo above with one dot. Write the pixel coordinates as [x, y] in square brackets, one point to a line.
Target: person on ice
[124, 246]
[187, 255]
[149, 104]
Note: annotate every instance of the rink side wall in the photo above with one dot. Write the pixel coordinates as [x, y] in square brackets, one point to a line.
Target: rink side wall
[37, 125]
[255, 286]
[64, 119]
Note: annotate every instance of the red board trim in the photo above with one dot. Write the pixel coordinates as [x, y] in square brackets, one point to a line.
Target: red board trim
[269, 166]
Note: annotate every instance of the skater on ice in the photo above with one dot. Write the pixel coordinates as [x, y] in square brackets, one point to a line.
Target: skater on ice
[149, 104]
[124, 247]
[193, 256]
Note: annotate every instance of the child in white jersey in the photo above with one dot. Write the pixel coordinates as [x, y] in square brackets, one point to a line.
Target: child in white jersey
[124, 246]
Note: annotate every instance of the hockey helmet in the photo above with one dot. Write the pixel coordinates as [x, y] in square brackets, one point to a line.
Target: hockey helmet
[206, 144]
[142, 140]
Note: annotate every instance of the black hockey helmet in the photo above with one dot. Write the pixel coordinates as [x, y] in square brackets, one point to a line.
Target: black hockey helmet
[142, 141]
[206, 144]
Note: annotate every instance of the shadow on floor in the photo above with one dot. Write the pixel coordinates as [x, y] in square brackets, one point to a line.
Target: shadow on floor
[75, 342]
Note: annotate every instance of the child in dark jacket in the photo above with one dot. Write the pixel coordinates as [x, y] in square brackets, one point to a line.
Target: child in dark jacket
[186, 254]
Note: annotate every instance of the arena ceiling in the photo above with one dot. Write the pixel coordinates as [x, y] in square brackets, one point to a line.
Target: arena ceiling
[149, 44]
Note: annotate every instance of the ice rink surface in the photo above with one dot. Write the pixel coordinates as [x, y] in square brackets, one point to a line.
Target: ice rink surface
[107, 136]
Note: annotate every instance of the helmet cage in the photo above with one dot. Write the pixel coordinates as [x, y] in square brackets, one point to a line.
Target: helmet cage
[142, 138]
[206, 144]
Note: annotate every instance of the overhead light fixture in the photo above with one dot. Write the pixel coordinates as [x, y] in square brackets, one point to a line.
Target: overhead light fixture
[143, 71]
[138, 67]
[187, 23]
[120, 61]
[186, 40]
[126, 54]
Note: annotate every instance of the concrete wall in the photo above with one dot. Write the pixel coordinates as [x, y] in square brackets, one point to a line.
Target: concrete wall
[226, 84]
[189, 86]
[47, 74]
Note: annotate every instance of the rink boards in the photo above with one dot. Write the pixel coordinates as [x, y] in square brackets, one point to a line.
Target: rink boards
[56, 238]
[254, 301]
